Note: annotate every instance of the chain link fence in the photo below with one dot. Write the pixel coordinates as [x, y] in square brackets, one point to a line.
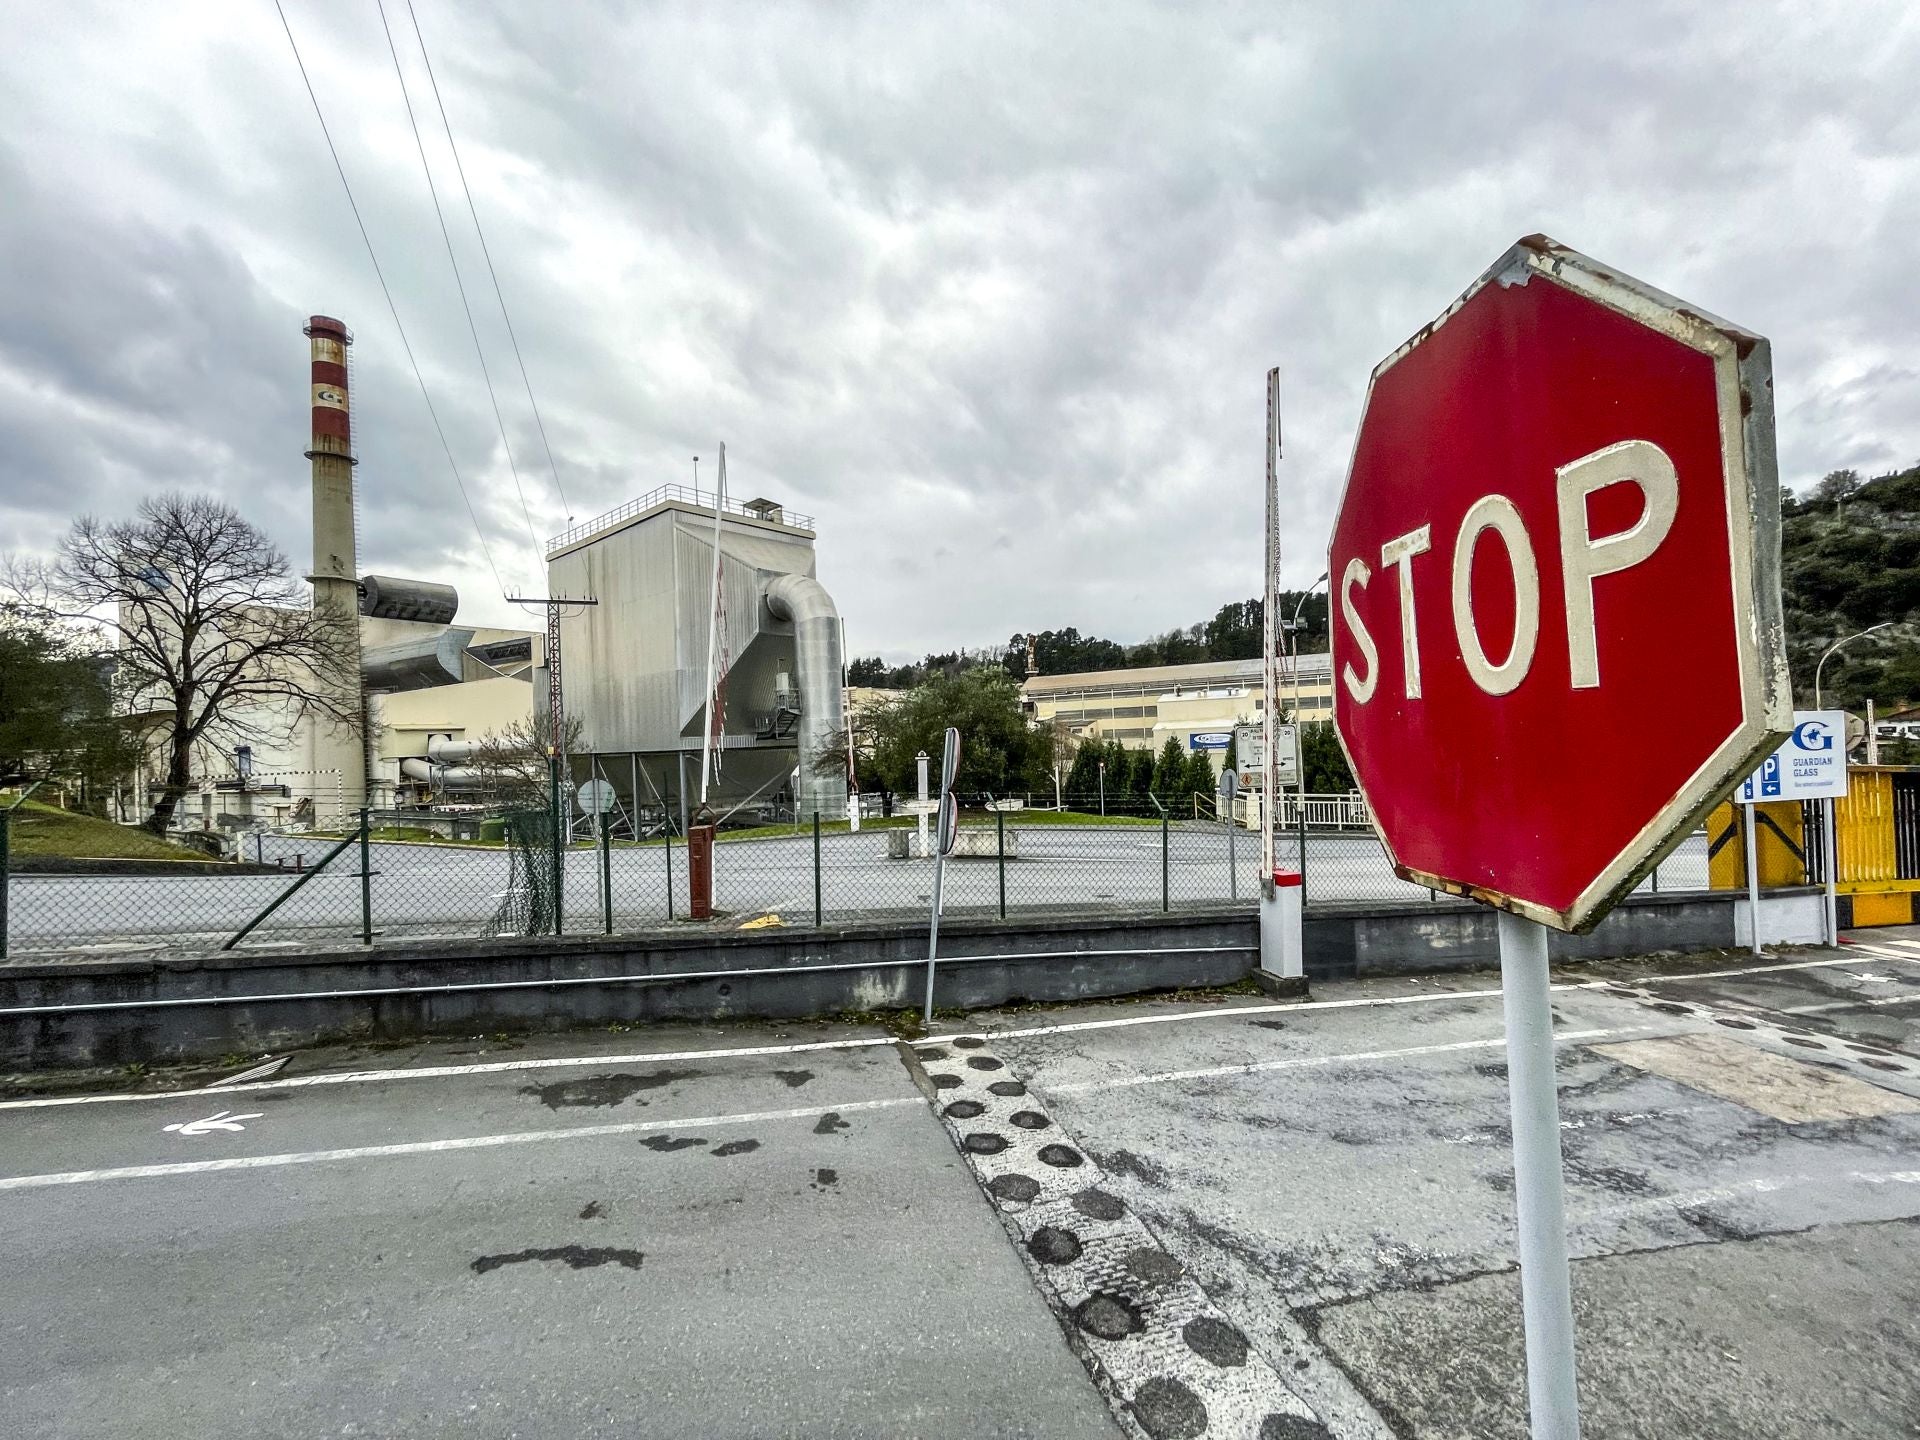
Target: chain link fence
[403, 875]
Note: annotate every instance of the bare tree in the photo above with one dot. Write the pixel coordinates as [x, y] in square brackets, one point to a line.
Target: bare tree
[213, 637]
[515, 760]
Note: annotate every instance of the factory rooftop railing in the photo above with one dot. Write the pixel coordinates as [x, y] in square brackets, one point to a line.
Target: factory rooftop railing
[778, 515]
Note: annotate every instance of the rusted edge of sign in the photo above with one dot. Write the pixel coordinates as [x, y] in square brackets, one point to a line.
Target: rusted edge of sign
[1743, 372]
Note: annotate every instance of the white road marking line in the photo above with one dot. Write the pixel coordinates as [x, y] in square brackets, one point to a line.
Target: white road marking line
[1759, 1185]
[431, 1147]
[499, 1067]
[1836, 964]
[221, 1120]
[1860, 1004]
[1880, 952]
[1280, 1008]
[1897, 940]
[1298, 1062]
[442, 1072]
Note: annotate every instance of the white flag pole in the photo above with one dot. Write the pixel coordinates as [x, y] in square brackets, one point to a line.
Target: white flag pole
[713, 629]
[1269, 634]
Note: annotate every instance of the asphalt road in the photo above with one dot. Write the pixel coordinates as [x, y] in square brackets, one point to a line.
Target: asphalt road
[426, 890]
[1152, 1218]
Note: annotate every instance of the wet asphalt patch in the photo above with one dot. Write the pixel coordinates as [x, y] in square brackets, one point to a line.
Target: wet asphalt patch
[735, 1147]
[1171, 1366]
[574, 1257]
[603, 1091]
[667, 1144]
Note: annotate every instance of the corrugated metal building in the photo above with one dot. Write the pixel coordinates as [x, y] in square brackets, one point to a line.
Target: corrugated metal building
[635, 664]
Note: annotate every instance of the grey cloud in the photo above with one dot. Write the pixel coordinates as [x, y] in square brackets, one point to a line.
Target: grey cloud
[991, 292]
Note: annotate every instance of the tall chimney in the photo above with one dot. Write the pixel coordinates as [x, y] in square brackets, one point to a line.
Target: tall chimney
[334, 578]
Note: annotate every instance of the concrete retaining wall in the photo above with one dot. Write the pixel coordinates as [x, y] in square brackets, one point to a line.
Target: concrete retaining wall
[177, 1008]
[1346, 941]
[154, 1009]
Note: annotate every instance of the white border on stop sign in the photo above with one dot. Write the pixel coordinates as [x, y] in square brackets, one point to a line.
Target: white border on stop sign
[1743, 381]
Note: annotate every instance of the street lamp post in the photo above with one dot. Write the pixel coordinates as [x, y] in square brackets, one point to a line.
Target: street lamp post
[1103, 787]
[1833, 649]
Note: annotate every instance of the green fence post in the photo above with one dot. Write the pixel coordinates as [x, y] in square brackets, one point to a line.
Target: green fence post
[559, 850]
[366, 876]
[817, 920]
[606, 870]
[667, 832]
[1000, 824]
[6, 875]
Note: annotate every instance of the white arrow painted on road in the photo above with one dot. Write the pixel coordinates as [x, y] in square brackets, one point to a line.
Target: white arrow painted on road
[222, 1120]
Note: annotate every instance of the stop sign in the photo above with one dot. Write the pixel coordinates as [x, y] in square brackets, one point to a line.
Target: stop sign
[1556, 628]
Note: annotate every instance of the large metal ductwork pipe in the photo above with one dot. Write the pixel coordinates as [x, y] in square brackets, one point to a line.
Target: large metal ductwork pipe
[816, 664]
[384, 597]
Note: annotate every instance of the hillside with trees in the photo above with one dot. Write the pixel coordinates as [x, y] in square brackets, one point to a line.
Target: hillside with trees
[1850, 559]
[1232, 634]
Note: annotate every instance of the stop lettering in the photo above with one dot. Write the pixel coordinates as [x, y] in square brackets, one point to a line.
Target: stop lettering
[1556, 618]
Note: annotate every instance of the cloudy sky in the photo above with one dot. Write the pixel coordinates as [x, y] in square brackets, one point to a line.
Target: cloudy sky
[990, 290]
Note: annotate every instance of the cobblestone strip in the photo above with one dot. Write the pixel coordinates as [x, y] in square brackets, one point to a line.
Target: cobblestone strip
[1171, 1365]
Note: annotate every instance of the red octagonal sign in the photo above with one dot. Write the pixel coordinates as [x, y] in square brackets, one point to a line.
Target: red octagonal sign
[1556, 624]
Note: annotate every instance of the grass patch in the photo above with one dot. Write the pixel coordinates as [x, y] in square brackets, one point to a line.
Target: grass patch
[42, 830]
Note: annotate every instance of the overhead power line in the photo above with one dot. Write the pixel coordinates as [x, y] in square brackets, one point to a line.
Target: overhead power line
[539, 552]
[392, 309]
[552, 469]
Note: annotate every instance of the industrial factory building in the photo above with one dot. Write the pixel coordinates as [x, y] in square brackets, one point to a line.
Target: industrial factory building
[1196, 705]
[635, 663]
[634, 672]
[425, 680]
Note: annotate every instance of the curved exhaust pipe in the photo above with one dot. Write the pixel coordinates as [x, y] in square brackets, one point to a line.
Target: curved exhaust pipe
[817, 670]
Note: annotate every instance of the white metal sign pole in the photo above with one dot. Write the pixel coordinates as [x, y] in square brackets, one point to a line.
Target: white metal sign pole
[1269, 634]
[1545, 1290]
[713, 629]
[933, 934]
[1753, 877]
[920, 774]
[947, 825]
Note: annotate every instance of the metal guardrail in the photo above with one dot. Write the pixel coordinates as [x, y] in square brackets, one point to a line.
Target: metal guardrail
[660, 495]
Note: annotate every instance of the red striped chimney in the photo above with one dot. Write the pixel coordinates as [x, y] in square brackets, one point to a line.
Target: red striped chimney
[332, 423]
[333, 462]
